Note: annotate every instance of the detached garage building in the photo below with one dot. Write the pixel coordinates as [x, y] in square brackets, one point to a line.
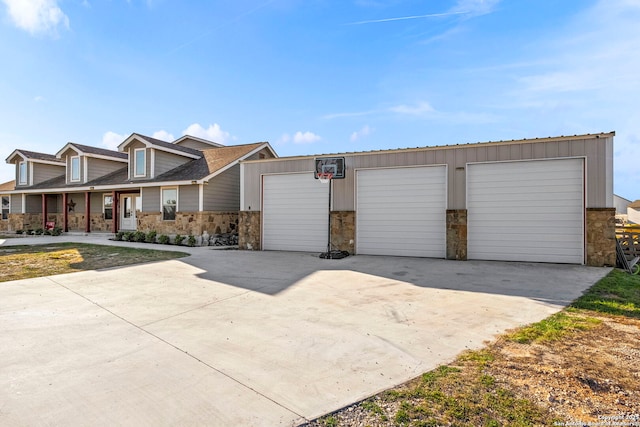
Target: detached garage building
[538, 200]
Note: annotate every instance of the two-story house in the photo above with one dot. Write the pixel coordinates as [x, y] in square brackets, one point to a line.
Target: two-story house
[187, 186]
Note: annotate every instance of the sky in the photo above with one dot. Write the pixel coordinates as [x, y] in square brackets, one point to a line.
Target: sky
[320, 76]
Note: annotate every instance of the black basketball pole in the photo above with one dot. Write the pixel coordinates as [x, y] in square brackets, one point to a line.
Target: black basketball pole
[329, 232]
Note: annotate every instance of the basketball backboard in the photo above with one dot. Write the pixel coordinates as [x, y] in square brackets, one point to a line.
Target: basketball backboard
[333, 165]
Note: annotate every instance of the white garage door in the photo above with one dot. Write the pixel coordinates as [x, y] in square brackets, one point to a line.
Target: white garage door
[294, 213]
[526, 211]
[402, 211]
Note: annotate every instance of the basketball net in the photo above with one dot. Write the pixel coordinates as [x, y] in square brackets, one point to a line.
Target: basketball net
[325, 177]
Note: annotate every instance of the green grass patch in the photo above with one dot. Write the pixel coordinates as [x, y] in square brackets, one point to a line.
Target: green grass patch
[553, 328]
[618, 293]
[28, 261]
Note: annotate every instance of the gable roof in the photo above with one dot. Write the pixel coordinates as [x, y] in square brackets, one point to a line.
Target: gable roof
[7, 186]
[34, 156]
[163, 145]
[90, 151]
[634, 205]
[213, 162]
[194, 138]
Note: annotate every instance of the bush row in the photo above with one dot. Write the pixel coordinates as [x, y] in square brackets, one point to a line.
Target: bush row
[56, 231]
[153, 237]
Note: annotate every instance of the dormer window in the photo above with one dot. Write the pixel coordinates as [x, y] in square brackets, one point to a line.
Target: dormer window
[140, 162]
[22, 172]
[75, 168]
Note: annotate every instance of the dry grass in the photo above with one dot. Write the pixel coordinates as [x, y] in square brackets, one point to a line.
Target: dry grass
[23, 262]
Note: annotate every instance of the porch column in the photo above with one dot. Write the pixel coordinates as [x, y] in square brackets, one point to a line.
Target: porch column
[87, 212]
[44, 211]
[114, 212]
[65, 212]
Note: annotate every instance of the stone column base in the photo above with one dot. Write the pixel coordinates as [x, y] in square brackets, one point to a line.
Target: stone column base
[457, 234]
[601, 237]
[249, 230]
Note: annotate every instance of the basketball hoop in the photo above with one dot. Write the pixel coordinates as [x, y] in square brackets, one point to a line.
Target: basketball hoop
[325, 177]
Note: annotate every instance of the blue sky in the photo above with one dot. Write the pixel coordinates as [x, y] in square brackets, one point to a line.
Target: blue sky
[320, 76]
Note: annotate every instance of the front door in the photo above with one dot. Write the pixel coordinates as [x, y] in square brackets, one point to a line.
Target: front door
[128, 205]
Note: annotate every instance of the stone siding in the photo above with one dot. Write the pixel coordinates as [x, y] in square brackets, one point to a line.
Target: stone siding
[249, 230]
[343, 230]
[195, 223]
[75, 221]
[457, 234]
[16, 222]
[98, 223]
[601, 237]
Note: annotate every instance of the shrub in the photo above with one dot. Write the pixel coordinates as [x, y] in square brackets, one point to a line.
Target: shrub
[38, 231]
[19, 231]
[191, 240]
[128, 236]
[163, 239]
[56, 231]
[178, 240]
[151, 237]
[139, 236]
[119, 236]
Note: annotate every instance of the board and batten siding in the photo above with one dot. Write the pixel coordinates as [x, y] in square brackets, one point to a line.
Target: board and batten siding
[223, 191]
[188, 200]
[596, 149]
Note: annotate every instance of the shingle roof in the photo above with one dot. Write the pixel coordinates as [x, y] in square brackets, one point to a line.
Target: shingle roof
[635, 205]
[169, 145]
[56, 182]
[7, 186]
[100, 151]
[214, 159]
[33, 155]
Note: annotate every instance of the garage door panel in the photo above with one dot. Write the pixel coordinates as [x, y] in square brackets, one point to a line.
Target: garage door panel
[526, 211]
[295, 216]
[401, 211]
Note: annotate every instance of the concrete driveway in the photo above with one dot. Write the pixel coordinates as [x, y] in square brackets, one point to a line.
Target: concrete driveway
[226, 338]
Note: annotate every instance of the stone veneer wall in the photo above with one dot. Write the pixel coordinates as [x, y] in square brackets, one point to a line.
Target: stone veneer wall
[457, 234]
[343, 230]
[99, 224]
[189, 223]
[601, 237]
[249, 230]
[75, 221]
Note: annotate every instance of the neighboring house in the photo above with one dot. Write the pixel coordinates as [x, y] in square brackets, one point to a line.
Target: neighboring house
[185, 187]
[633, 212]
[620, 203]
[537, 200]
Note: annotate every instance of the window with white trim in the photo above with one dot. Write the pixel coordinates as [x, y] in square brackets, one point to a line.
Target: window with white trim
[6, 206]
[75, 168]
[22, 172]
[140, 162]
[169, 203]
[107, 206]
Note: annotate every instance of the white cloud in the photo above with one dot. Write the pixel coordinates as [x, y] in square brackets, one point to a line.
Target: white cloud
[37, 16]
[366, 130]
[420, 109]
[39, 98]
[111, 140]
[475, 7]
[212, 133]
[163, 135]
[305, 138]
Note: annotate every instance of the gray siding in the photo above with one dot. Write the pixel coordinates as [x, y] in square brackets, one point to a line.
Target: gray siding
[96, 202]
[223, 191]
[596, 149]
[101, 167]
[42, 172]
[34, 203]
[264, 152]
[16, 204]
[150, 199]
[78, 199]
[164, 162]
[188, 198]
